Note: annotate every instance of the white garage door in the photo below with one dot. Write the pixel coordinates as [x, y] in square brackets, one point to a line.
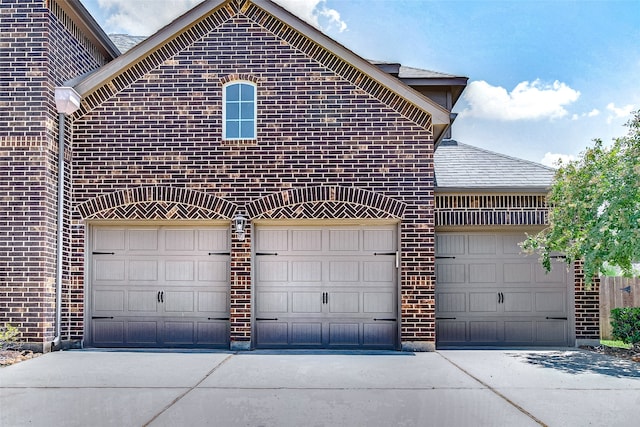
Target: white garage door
[159, 286]
[488, 293]
[326, 287]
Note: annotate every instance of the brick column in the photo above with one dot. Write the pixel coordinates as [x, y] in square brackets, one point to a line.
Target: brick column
[240, 292]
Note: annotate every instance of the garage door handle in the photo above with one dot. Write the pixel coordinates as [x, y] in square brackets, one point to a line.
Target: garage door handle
[160, 296]
[500, 298]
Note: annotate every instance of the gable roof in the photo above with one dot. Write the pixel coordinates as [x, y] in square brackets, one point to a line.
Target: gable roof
[461, 167]
[89, 27]
[195, 23]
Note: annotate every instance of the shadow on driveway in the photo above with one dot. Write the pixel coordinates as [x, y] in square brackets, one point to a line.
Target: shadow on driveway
[583, 362]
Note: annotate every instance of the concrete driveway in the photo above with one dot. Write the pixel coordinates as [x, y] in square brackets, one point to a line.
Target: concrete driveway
[446, 388]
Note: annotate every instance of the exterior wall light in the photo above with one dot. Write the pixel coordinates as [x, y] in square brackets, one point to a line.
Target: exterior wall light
[239, 224]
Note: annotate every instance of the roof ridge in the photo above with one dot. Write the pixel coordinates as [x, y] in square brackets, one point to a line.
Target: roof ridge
[495, 153]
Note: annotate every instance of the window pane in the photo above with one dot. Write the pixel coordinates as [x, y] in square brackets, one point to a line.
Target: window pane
[233, 92]
[247, 110]
[233, 110]
[247, 92]
[248, 130]
[233, 130]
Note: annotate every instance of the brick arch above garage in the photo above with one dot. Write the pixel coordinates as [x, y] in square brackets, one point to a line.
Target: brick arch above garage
[325, 202]
[157, 203]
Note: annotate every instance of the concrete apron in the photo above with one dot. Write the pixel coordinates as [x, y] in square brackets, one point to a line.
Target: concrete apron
[446, 388]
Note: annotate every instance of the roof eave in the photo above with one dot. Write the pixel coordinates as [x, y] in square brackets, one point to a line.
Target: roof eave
[147, 46]
[478, 190]
[89, 27]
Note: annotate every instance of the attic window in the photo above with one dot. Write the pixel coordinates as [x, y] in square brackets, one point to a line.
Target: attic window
[239, 113]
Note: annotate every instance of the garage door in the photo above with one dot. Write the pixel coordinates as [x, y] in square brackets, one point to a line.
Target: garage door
[488, 293]
[159, 286]
[326, 287]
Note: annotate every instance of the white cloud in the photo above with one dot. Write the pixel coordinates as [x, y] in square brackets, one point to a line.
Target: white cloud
[145, 17]
[142, 17]
[313, 11]
[592, 113]
[527, 101]
[552, 159]
[618, 112]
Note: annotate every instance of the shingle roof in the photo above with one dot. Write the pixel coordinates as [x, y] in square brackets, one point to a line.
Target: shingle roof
[464, 167]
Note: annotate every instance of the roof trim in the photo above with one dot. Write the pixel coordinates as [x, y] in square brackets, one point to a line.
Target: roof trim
[90, 28]
[440, 117]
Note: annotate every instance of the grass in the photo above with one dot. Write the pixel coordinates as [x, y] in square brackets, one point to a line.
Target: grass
[611, 343]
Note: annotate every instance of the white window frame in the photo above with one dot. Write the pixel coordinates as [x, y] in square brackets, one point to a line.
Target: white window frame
[240, 119]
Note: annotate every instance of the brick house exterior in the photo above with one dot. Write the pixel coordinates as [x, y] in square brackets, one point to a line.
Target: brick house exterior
[340, 142]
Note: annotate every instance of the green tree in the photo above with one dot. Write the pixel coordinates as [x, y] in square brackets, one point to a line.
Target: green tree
[594, 208]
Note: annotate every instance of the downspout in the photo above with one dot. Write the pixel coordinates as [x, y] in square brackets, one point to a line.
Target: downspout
[55, 345]
[67, 102]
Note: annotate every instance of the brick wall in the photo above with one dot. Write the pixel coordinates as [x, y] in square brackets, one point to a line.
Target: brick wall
[315, 130]
[39, 53]
[587, 306]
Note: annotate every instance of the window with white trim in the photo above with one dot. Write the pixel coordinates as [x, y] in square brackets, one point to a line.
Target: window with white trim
[239, 113]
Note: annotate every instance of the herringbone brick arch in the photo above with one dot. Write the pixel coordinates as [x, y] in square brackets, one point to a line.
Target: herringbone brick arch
[157, 203]
[325, 203]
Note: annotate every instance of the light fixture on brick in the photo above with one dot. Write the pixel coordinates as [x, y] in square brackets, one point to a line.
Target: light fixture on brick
[239, 224]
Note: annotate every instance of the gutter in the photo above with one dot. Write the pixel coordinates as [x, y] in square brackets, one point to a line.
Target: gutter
[67, 103]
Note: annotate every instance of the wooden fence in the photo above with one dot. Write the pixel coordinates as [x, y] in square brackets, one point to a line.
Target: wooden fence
[616, 292]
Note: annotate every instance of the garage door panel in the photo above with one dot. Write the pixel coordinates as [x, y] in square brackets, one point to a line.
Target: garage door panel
[551, 331]
[483, 331]
[179, 333]
[506, 310]
[305, 302]
[344, 240]
[109, 240]
[344, 302]
[155, 273]
[143, 240]
[518, 302]
[306, 334]
[333, 284]
[379, 333]
[213, 302]
[108, 332]
[213, 334]
[450, 273]
[451, 302]
[270, 240]
[306, 271]
[108, 301]
[142, 332]
[483, 302]
[142, 301]
[213, 271]
[379, 240]
[482, 244]
[520, 332]
[344, 334]
[109, 270]
[482, 273]
[450, 244]
[550, 302]
[269, 334]
[180, 240]
[143, 270]
[213, 240]
[451, 331]
[179, 302]
[272, 302]
[379, 303]
[382, 271]
[517, 272]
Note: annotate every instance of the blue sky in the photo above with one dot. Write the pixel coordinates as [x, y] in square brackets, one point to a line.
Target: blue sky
[545, 77]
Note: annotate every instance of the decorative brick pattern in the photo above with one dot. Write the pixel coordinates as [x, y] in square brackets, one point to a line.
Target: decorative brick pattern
[157, 203]
[326, 202]
[491, 209]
